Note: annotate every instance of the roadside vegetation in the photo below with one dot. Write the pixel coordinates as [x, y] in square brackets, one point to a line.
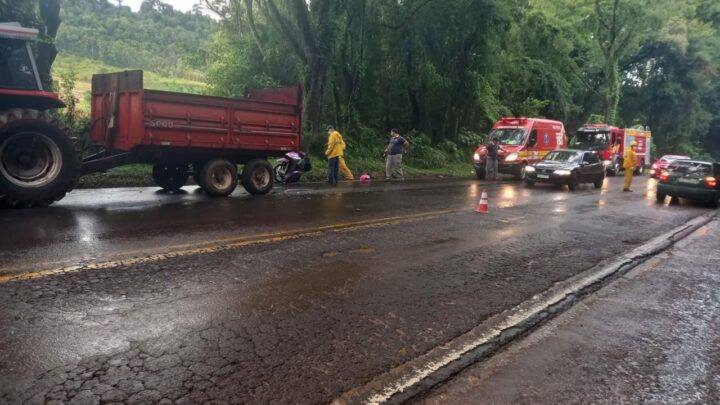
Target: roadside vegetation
[441, 71]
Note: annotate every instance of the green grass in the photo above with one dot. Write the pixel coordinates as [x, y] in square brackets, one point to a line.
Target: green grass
[84, 69]
[137, 175]
[140, 175]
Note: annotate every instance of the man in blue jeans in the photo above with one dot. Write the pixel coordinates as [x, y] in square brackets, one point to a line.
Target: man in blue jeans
[335, 147]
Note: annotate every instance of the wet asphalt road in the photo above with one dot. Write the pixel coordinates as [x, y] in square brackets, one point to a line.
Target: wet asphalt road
[651, 337]
[322, 290]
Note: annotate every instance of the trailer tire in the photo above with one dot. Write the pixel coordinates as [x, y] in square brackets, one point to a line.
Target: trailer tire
[170, 177]
[257, 176]
[218, 178]
[39, 159]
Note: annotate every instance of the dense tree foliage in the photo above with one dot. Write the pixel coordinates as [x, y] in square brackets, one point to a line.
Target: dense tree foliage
[156, 38]
[450, 68]
[441, 70]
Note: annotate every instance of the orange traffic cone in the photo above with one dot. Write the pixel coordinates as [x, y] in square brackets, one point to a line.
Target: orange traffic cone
[482, 207]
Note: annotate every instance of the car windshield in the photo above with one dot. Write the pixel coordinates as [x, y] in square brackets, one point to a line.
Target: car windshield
[687, 167]
[593, 138]
[564, 156]
[509, 136]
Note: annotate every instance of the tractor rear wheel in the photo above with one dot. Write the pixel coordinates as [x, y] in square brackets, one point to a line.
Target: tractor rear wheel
[39, 160]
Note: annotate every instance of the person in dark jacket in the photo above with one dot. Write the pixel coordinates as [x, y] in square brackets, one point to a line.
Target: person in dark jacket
[491, 164]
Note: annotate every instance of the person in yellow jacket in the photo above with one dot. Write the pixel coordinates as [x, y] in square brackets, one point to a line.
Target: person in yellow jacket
[335, 147]
[630, 162]
[344, 169]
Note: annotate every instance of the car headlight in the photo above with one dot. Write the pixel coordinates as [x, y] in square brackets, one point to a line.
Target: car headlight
[511, 157]
[654, 166]
[476, 157]
[529, 169]
[562, 172]
[606, 163]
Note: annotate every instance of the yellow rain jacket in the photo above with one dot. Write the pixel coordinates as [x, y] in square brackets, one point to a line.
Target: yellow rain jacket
[336, 145]
[630, 162]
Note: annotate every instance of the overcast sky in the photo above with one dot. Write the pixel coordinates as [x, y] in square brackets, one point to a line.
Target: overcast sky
[183, 5]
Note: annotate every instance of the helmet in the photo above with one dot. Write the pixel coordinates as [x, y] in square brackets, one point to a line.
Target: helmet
[633, 143]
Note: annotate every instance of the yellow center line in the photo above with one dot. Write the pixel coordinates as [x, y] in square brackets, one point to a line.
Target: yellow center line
[220, 245]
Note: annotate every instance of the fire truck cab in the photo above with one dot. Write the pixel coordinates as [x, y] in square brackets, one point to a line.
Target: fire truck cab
[612, 142]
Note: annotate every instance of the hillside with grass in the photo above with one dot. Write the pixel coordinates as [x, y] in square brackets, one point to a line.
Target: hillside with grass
[79, 70]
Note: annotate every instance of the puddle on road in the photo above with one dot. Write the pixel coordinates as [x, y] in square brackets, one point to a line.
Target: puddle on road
[300, 289]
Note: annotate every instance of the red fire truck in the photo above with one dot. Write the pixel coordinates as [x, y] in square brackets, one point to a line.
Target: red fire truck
[179, 134]
[612, 142]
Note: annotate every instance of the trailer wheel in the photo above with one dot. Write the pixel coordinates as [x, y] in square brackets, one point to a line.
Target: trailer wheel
[218, 178]
[257, 176]
[170, 177]
[39, 159]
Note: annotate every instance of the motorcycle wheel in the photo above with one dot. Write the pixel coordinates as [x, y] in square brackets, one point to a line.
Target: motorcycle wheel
[280, 171]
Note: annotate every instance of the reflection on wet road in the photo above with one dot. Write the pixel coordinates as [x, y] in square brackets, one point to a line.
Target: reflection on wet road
[294, 297]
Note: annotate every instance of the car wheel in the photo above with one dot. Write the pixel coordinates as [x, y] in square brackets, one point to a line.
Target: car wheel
[714, 204]
[598, 183]
[660, 197]
[529, 183]
[573, 182]
[480, 173]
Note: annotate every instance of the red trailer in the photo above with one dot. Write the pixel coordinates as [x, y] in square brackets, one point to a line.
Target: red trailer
[179, 134]
[184, 134]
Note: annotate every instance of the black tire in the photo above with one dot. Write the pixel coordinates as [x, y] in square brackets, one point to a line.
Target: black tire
[714, 204]
[170, 176]
[598, 183]
[520, 174]
[39, 159]
[529, 183]
[480, 173]
[614, 168]
[639, 171]
[257, 176]
[573, 182]
[659, 197]
[218, 178]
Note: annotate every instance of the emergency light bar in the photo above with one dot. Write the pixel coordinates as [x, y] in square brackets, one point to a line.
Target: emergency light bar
[513, 120]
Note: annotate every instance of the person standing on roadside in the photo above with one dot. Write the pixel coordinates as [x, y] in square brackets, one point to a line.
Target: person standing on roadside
[344, 169]
[335, 147]
[630, 162]
[393, 154]
[491, 163]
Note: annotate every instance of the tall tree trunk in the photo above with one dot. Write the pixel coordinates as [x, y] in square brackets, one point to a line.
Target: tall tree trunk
[46, 50]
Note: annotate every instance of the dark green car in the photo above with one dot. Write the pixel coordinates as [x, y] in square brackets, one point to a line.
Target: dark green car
[690, 179]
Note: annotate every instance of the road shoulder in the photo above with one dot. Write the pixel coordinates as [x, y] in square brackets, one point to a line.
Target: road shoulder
[650, 336]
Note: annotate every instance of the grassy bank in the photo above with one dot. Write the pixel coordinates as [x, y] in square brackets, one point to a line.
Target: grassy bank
[140, 175]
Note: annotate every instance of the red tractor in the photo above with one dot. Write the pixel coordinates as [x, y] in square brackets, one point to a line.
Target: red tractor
[181, 135]
[39, 159]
